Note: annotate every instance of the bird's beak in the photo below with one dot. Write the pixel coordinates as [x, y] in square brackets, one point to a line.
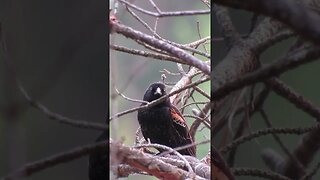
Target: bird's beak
[158, 91]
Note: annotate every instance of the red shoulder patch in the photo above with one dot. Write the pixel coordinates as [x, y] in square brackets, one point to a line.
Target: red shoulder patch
[177, 118]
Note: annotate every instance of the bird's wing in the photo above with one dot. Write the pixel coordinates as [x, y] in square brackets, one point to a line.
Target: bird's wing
[182, 127]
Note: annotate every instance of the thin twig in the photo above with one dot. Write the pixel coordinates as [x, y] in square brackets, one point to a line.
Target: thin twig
[130, 99]
[202, 120]
[281, 144]
[146, 54]
[258, 173]
[311, 173]
[189, 104]
[187, 146]
[60, 118]
[259, 133]
[155, 6]
[173, 50]
[167, 14]
[298, 100]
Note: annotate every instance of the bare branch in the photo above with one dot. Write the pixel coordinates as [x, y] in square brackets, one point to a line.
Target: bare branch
[147, 54]
[130, 99]
[276, 68]
[243, 139]
[147, 163]
[287, 11]
[232, 37]
[177, 52]
[169, 150]
[166, 14]
[60, 118]
[51, 161]
[259, 173]
[283, 90]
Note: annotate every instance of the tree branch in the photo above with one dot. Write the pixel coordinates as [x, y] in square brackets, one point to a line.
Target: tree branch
[177, 52]
[287, 11]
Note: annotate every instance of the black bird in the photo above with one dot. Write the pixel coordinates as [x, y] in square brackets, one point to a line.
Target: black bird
[98, 161]
[163, 123]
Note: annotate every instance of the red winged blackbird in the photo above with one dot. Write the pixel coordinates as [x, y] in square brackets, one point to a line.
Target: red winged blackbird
[163, 123]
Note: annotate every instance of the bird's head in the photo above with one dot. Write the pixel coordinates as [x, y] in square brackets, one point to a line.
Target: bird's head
[155, 91]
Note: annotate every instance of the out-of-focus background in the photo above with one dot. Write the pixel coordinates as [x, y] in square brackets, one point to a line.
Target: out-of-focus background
[281, 113]
[133, 74]
[59, 49]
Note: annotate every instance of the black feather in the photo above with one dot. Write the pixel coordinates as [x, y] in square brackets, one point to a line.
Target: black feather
[159, 124]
